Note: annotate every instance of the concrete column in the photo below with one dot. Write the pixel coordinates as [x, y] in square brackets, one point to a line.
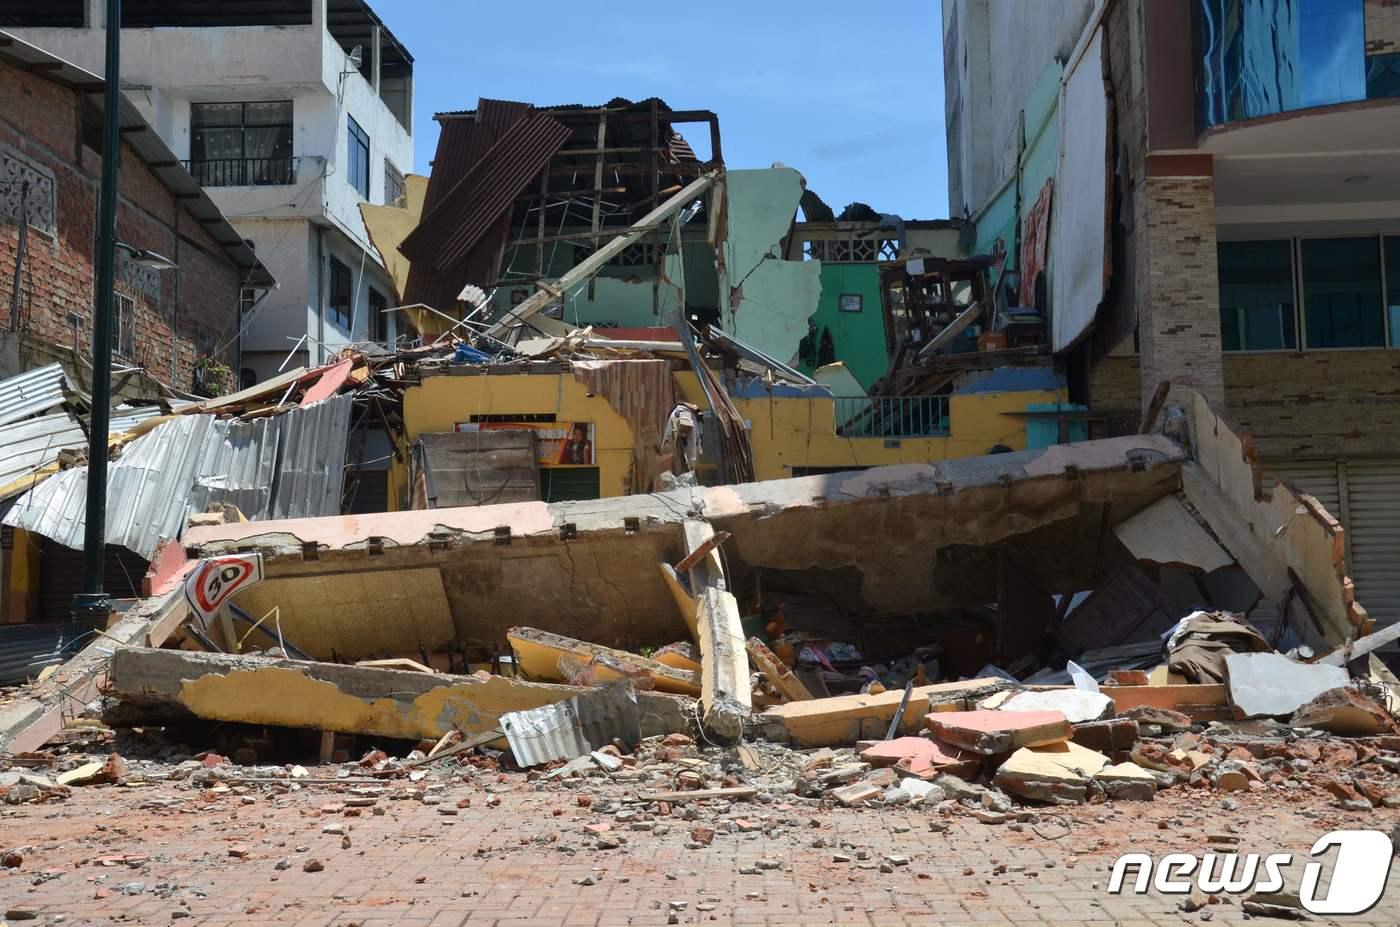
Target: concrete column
[377, 59]
[1178, 291]
[318, 14]
[96, 14]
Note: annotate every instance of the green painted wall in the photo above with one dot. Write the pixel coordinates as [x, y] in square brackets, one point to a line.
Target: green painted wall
[859, 337]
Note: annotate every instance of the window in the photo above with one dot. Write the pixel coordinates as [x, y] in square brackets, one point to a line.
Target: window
[393, 185]
[1256, 295]
[123, 326]
[339, 301]
[1392, 286]
[1341, 287]
[241, 144]
[378, 320]
[358, 158]
[851, 302]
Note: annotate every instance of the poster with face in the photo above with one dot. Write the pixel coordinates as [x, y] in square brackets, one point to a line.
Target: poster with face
[558, 444]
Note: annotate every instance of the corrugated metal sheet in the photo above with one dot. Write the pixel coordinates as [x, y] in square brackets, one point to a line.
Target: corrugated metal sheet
[589, 721]
[312, 470]
[292, 465]
[125, 418]
[1373, 490]
[28, 445]
[25, 649]
[32, 392]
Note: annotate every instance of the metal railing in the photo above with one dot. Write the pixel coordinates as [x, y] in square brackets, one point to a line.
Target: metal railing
[244, 172]
[892, 417]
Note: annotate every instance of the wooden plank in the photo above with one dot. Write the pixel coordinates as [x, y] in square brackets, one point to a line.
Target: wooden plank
[685, 604]
[741, 791]
[539, 654]
[776, 672]
[1198, 702]
[709, 544]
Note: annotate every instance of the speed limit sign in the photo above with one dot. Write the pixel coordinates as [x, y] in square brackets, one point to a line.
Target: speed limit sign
[215, 579]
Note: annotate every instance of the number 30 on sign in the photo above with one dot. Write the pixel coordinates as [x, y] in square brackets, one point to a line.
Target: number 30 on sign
[216, 579]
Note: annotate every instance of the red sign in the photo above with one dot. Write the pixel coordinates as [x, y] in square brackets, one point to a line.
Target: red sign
[216, 579]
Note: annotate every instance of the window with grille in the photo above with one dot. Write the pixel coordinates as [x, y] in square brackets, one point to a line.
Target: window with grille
[123, 326]
[393, 186]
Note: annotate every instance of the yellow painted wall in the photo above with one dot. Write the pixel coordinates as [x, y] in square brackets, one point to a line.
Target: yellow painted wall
[21, 574]
[786, 432]
[441, 402]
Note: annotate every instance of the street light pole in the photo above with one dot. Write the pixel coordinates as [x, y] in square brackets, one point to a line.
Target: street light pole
[91, 604]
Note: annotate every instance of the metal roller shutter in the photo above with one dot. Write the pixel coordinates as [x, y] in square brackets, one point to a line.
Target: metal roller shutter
[1373, 495]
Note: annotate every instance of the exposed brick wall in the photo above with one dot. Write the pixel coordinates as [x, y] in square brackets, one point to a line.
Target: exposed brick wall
[191, 309]
[1314, 404]
[1382, 27]
[1179, 297]
[1318, 403]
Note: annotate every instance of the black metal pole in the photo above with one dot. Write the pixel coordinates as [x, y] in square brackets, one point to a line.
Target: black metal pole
[91, 603]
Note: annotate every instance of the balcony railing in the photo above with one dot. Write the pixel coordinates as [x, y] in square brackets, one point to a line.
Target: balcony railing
[244, 172]
[892, 417]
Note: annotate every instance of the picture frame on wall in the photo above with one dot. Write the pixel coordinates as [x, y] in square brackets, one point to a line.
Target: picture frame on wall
[851, 302]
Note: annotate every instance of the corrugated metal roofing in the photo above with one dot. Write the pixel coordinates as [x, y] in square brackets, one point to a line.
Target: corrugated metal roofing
[25, 649]
[125, 418]
[147, 144]
[292, 464]
[30, 445]
[32, 392]
[589, 721]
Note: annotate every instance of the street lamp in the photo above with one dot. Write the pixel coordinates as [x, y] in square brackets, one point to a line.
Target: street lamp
[147, 259]
[91, 605]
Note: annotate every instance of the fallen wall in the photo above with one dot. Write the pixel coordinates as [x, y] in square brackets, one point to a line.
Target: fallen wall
[587, 569]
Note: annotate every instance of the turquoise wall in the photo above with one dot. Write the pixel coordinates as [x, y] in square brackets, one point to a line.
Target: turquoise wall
[859, 337]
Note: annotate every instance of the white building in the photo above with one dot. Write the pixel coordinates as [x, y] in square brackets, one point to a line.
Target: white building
[291, 113]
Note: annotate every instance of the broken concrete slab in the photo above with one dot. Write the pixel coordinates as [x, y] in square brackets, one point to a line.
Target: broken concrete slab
[856, 793]
[1110, 736]
[726, 699]
[1077, 705]
[1201, 703]
[921, 757]
[845, 719]
[555, 658]
[1127, 782]
[1056, 773]
[1264, 685]
[992, 732]
[1164, 719]
[1346, 712]
[153, 684]
[1167, 534]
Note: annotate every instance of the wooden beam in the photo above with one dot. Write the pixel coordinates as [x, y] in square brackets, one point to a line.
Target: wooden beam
[776, 672]
[709, 544]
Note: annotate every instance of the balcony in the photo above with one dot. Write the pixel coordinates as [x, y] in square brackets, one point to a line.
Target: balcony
[1256, 58]
[892, 417]
[244, 172]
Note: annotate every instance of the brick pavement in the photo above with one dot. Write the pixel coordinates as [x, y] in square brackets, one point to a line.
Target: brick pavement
[518, 864]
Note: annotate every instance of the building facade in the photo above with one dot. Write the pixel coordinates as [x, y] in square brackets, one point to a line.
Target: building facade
[291, 114]
[1225, 214]
[175, 317]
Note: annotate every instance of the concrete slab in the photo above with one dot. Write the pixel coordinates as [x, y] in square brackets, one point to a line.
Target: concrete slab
[1055, 773]
[1077, 705]
[1266, 685]
[845, 719]
[1346, 712]
[991, 732]
[921, 757]
[1127, 782]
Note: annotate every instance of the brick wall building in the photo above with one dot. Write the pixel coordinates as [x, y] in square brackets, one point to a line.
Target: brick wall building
[50, 168]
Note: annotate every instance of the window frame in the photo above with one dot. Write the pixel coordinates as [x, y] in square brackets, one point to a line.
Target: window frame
[357, 139]
[333, 312]
[1293, 258]
[243, 127]
[1301, 284]
[377, 329]
[1300, 320]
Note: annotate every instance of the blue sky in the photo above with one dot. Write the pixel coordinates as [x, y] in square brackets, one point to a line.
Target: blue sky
[849, 93]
